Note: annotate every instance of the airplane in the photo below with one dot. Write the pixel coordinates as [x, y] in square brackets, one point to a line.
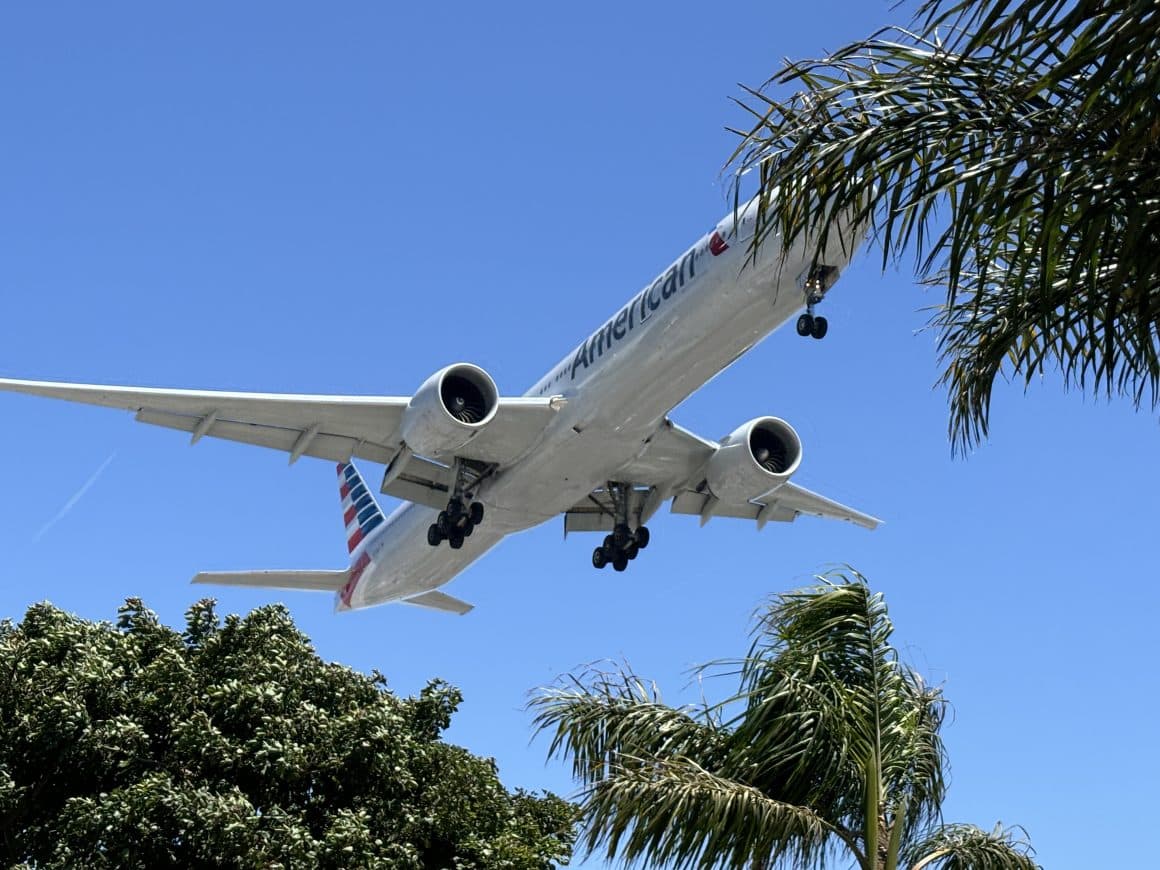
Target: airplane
[592, 440]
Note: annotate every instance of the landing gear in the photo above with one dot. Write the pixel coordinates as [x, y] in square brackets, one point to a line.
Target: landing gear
[455, 524]
[462, 515]
[815, 283]
[810, 325]
[621, 547]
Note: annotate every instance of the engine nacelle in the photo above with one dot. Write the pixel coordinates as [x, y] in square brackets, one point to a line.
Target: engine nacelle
[758, 457]
[451, 408]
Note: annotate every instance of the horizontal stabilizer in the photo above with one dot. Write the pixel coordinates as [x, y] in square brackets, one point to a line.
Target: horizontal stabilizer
[440, 601]
[321, 581]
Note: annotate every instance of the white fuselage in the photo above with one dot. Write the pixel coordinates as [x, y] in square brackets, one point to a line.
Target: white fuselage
[699, 316]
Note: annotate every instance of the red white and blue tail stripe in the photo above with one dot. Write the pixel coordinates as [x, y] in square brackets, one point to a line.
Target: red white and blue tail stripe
[359, 510]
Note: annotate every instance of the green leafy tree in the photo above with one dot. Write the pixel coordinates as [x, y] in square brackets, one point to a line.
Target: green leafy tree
[232, 744]
[1012, 147]
[830, 748]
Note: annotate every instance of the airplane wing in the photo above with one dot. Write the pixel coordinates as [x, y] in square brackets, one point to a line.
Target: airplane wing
[672, 465]
[328, 427]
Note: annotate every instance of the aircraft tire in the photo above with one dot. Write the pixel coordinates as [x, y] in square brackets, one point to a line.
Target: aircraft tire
[619, 562]
[805, 325]
[456, 541]
[821, 326]
[642, 537]
[443, 522]
[631, 551]
[599, 558]
[476, 513]
[468, 528]
[434, 536]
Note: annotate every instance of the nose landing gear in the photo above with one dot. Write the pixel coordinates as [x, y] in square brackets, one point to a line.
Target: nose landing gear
[815, 283]
[809, 325]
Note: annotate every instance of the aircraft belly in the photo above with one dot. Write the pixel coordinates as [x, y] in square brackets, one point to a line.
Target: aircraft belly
[405, 565]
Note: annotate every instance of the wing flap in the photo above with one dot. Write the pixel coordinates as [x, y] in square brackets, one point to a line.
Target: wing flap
[440, 601]
[785, 504]
[322, 445]
[421, 481]
[320, 581]
[695, 503]
[597, 513]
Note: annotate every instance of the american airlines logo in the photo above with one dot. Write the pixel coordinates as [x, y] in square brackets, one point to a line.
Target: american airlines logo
[636, 312]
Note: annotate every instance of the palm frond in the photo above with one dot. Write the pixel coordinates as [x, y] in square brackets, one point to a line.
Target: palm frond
[601, 717]
[965, 847]
[830, 715]
[674, 812]
[1012, 149]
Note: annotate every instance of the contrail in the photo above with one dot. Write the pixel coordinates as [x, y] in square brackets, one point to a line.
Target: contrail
[72, 502]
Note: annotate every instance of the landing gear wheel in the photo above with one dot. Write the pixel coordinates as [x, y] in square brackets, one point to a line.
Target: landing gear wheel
[619, 562]
[456, 541]
[820, 327]
[434, 536]
[599, 558]
[642, 537]
[476, 513]
[609, 543]
[631, 551]
[805, 325]
[443, 522]
[468, 528]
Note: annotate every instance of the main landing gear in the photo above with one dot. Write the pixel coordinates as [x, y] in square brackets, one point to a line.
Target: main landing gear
[455, 523]
[624, 544]
[463, 514]
[621, 547]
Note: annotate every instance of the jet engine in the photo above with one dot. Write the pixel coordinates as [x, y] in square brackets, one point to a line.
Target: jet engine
[448, 410]
[756, 458]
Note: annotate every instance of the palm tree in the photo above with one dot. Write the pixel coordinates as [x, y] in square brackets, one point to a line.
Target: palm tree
[829, 748]
[1012, 148]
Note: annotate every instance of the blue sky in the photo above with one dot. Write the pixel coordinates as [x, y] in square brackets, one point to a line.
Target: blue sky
[287, 197]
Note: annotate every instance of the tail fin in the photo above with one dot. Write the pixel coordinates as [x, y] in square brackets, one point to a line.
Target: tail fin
[360, 512]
